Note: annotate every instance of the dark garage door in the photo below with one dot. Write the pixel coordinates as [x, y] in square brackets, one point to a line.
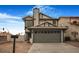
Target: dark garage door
[49, 36]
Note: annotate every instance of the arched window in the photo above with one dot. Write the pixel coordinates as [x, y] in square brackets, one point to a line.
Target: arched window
[74, 22]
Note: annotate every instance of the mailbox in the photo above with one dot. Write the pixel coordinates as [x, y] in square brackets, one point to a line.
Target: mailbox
[14, 36]
[14, 41]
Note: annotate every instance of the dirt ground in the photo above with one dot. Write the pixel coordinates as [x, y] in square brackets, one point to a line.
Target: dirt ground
[21, 47]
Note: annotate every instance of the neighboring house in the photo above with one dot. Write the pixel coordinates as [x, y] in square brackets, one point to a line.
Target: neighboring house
[41, 28]
[4, 36]
[73, 26]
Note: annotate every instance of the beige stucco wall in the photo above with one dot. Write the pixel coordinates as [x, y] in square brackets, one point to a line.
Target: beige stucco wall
[63, 22]
[50, 21]
[74, 19]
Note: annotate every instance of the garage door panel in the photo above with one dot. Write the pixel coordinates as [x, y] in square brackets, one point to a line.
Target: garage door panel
[46, 37]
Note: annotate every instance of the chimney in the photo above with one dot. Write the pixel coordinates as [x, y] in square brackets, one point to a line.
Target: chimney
[36, 16]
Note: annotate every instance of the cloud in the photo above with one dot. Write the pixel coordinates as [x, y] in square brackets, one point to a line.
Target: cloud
[13, 23]
[30, 12]
[7, 16]
[13, 27]
[4, 17]
[48, 10]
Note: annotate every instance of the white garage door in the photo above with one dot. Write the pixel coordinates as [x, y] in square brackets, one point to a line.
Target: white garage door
[47, 36]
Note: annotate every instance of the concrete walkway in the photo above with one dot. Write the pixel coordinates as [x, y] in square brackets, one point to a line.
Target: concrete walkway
[53, 48]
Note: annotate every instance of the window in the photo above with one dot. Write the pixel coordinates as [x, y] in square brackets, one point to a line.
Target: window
[50, 24]
[55, 31]
[54, 22]
[58, 31]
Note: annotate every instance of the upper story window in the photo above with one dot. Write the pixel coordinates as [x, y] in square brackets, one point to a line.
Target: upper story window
[54, 21]
[29, 23]
[50, 24]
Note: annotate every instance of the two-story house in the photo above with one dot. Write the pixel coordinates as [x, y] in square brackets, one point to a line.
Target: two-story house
[41, 28]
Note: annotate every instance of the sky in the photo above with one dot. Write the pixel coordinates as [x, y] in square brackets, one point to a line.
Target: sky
[11, 15]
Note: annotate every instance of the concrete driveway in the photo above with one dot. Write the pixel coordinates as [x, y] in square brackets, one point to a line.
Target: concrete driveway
[53, 48]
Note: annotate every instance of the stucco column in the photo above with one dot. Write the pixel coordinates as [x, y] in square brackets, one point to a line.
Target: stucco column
[62, 36]
[26, 36]
[32, 37]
